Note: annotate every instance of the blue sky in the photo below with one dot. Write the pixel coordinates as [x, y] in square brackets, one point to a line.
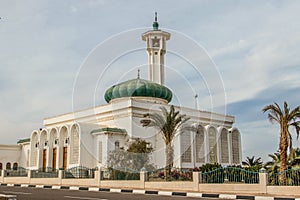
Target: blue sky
[253, 45]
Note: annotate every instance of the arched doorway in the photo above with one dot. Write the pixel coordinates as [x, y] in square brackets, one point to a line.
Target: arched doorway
[15, 166]
[8, 166]
[53, 148]
[63, 147]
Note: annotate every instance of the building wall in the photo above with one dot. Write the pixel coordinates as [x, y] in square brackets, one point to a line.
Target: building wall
[218, 141]
[9, 154]
[24, 155]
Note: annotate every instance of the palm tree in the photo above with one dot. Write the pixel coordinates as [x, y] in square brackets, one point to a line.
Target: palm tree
[251, 162]
[294, 158]
[273, 165]
[168, 124]
[285, 118]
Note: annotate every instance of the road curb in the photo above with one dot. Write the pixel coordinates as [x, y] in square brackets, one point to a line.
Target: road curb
[153, 192]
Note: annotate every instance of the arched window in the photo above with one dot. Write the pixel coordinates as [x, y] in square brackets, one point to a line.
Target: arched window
[117, 145]
[100, 152]
[224, 146]
[8, 166]
[200, 150]
[186, 155]
[74, 144]
[1, 167]
[235, 147]
[15, 166]
[34, 149]
[212, 144]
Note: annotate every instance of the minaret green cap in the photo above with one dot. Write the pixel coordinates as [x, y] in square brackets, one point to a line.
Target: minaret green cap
[155, 23]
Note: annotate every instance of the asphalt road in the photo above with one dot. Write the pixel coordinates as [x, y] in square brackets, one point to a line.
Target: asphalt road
[50, 194]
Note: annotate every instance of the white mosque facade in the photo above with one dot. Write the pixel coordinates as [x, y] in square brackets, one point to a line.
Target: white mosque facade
[86, 137]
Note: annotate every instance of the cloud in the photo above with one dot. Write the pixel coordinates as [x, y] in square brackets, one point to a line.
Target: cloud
[254, 44]
[251, 108]
[253, 124]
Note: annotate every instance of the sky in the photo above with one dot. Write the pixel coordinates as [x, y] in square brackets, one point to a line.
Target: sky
[237, 56]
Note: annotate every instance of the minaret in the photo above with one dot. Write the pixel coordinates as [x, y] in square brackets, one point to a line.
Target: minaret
[156, 48]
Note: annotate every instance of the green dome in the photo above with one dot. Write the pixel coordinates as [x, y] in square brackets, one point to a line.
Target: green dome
[138, 88]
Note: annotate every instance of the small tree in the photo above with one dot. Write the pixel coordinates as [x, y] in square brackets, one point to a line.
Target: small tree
[134, 158]
[138, 152]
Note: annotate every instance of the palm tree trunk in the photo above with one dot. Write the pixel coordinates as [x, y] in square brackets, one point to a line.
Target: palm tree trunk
[283, 145]
[169, 161]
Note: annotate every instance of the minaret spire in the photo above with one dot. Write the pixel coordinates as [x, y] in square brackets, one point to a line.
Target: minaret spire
[138, 75]
[155, 23]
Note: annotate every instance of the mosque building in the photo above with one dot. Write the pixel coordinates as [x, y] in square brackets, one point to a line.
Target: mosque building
[86, 137]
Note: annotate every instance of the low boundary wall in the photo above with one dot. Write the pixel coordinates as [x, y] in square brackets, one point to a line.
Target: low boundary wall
[261, 188]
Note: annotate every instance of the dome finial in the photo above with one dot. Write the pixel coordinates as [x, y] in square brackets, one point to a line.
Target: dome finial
[155, 23]
[138, 75]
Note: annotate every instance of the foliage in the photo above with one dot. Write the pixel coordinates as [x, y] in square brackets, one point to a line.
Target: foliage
[176, 175]
[294, 158]
[253, 164]
[140, 146]
[293, 161]
[123, 174]
[135, 157]
[273, 165]
[250, 162]
[138, 153]
[209, 167]
[292, 177]
[285, 118]
[168, 123]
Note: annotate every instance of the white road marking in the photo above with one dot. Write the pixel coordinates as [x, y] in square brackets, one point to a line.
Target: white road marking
[87, 198]
[74, 188]
[164, 193]
[192, 194]
[138, 191]
[56, 187]
[39, 186]
[227, 196]
[24, 185]
[94, 189]
[115, 190]
[13, 192]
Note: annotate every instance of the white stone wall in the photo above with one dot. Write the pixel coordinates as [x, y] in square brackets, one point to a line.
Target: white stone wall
[218, 139]
[10, 154]
[24, 155]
